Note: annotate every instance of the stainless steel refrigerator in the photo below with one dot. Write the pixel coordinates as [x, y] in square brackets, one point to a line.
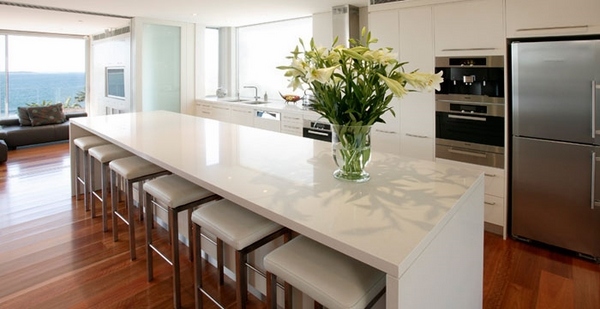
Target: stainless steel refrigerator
[555, 160]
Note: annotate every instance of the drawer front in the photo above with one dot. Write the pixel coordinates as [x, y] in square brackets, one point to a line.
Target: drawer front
[494, 210]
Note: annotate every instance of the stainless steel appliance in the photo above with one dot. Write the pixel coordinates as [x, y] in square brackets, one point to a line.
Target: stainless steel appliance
[470, 110]
[556, 144]
[316, 130]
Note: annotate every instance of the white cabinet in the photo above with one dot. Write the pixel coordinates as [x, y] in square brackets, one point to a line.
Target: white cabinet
[203, 109]
[213, 110]
[494, 199]
[385, 137]
[291, 123]
[417, 109]
[534, 18]
[220, 111]
[384, 26]
[409, 32]
[417, 126]
[470, 28]
[242, 115]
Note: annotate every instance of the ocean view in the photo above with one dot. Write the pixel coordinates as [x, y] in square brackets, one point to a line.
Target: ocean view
[33, 87]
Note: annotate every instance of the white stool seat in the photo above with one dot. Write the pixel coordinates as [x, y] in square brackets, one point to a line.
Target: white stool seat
[87, 142]
[328, 276]
[130, 169]
[174, 191]
[134, 167]
[83, 144]
[173, 194]
[241, 229]
[233, 224]
[107, 153]
[103, 154]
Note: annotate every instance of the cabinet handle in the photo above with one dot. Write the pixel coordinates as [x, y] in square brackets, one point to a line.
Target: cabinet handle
[385, 131]
[467, 49]
[584, 28]
[317, 133]
[468, 153]
[467, 117]
[416, 135]
[489, 175]
[490, 203]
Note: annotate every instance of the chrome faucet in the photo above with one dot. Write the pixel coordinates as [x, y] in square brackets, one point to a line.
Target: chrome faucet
[256, 97]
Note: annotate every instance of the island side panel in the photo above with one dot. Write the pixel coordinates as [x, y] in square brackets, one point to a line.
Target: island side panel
[75, 131]
[449, 272]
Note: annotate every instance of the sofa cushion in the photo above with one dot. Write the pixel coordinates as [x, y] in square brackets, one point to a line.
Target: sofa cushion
[23, 116]
[42, 115]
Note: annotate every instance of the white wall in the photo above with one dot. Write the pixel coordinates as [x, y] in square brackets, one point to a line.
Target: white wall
[108, 52]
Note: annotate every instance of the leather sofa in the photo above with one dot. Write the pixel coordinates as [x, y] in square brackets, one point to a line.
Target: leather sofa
[14, 135]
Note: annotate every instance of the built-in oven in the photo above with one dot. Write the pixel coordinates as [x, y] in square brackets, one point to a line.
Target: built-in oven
[470, 110]
[316, 130]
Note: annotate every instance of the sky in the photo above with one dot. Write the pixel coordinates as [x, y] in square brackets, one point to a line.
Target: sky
[48, 55]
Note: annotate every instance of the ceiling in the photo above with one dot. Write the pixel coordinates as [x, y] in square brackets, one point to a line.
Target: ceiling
[106, 14]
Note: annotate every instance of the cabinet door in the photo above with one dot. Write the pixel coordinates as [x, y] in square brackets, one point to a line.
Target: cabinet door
[384, 26]
[242, 115]
[417, 113]
[469, 28]
[552, 17]
[220, 111]
[203, 109]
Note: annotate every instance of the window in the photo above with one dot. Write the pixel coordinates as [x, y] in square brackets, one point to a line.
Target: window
[211, 61]
[41, 70]
[265, 47]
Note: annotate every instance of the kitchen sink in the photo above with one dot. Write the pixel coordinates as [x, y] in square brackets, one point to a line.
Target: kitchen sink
[246, 101]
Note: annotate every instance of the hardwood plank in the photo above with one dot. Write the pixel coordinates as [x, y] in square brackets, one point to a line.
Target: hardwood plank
[555, 292]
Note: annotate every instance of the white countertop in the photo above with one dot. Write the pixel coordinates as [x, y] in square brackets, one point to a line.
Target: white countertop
[274, 105]
[385, 222]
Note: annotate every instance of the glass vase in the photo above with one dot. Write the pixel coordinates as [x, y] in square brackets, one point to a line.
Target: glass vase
[351, 147]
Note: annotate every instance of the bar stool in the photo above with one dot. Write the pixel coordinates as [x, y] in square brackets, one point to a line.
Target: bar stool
[331, 278]
[173, 194]
[131, 169]
[103, 154]
[83, 144]
[241, 229]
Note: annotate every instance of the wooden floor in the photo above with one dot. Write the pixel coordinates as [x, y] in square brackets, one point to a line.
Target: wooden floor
[53, 255]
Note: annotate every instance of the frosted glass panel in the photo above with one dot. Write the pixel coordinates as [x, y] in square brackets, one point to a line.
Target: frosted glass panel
[161, 67]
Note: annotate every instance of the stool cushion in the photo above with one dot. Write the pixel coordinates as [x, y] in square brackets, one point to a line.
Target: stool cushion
[233, 224]
[134, 167]
[333, 279]
[107, 153]
[175, 191]
[87, 142]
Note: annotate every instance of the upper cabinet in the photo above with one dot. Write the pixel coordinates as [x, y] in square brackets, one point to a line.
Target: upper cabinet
[470, 28]
[535, 18]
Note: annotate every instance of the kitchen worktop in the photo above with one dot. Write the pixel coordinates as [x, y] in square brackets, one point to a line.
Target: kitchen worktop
[411, 219]
[272, 104]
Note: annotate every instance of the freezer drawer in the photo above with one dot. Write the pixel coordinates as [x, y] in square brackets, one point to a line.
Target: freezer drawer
[552, 194]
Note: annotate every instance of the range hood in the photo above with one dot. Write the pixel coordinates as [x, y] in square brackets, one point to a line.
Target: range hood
[345, 23]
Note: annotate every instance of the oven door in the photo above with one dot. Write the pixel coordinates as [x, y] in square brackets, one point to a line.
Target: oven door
[470, 136]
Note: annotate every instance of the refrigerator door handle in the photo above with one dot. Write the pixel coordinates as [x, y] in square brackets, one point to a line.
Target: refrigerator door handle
[594, 202]
[595, 87]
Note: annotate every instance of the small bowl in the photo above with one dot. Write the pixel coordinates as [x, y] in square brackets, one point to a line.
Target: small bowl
[290, 98]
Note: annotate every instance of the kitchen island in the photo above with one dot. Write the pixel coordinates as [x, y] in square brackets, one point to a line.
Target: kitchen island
[420, 222]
